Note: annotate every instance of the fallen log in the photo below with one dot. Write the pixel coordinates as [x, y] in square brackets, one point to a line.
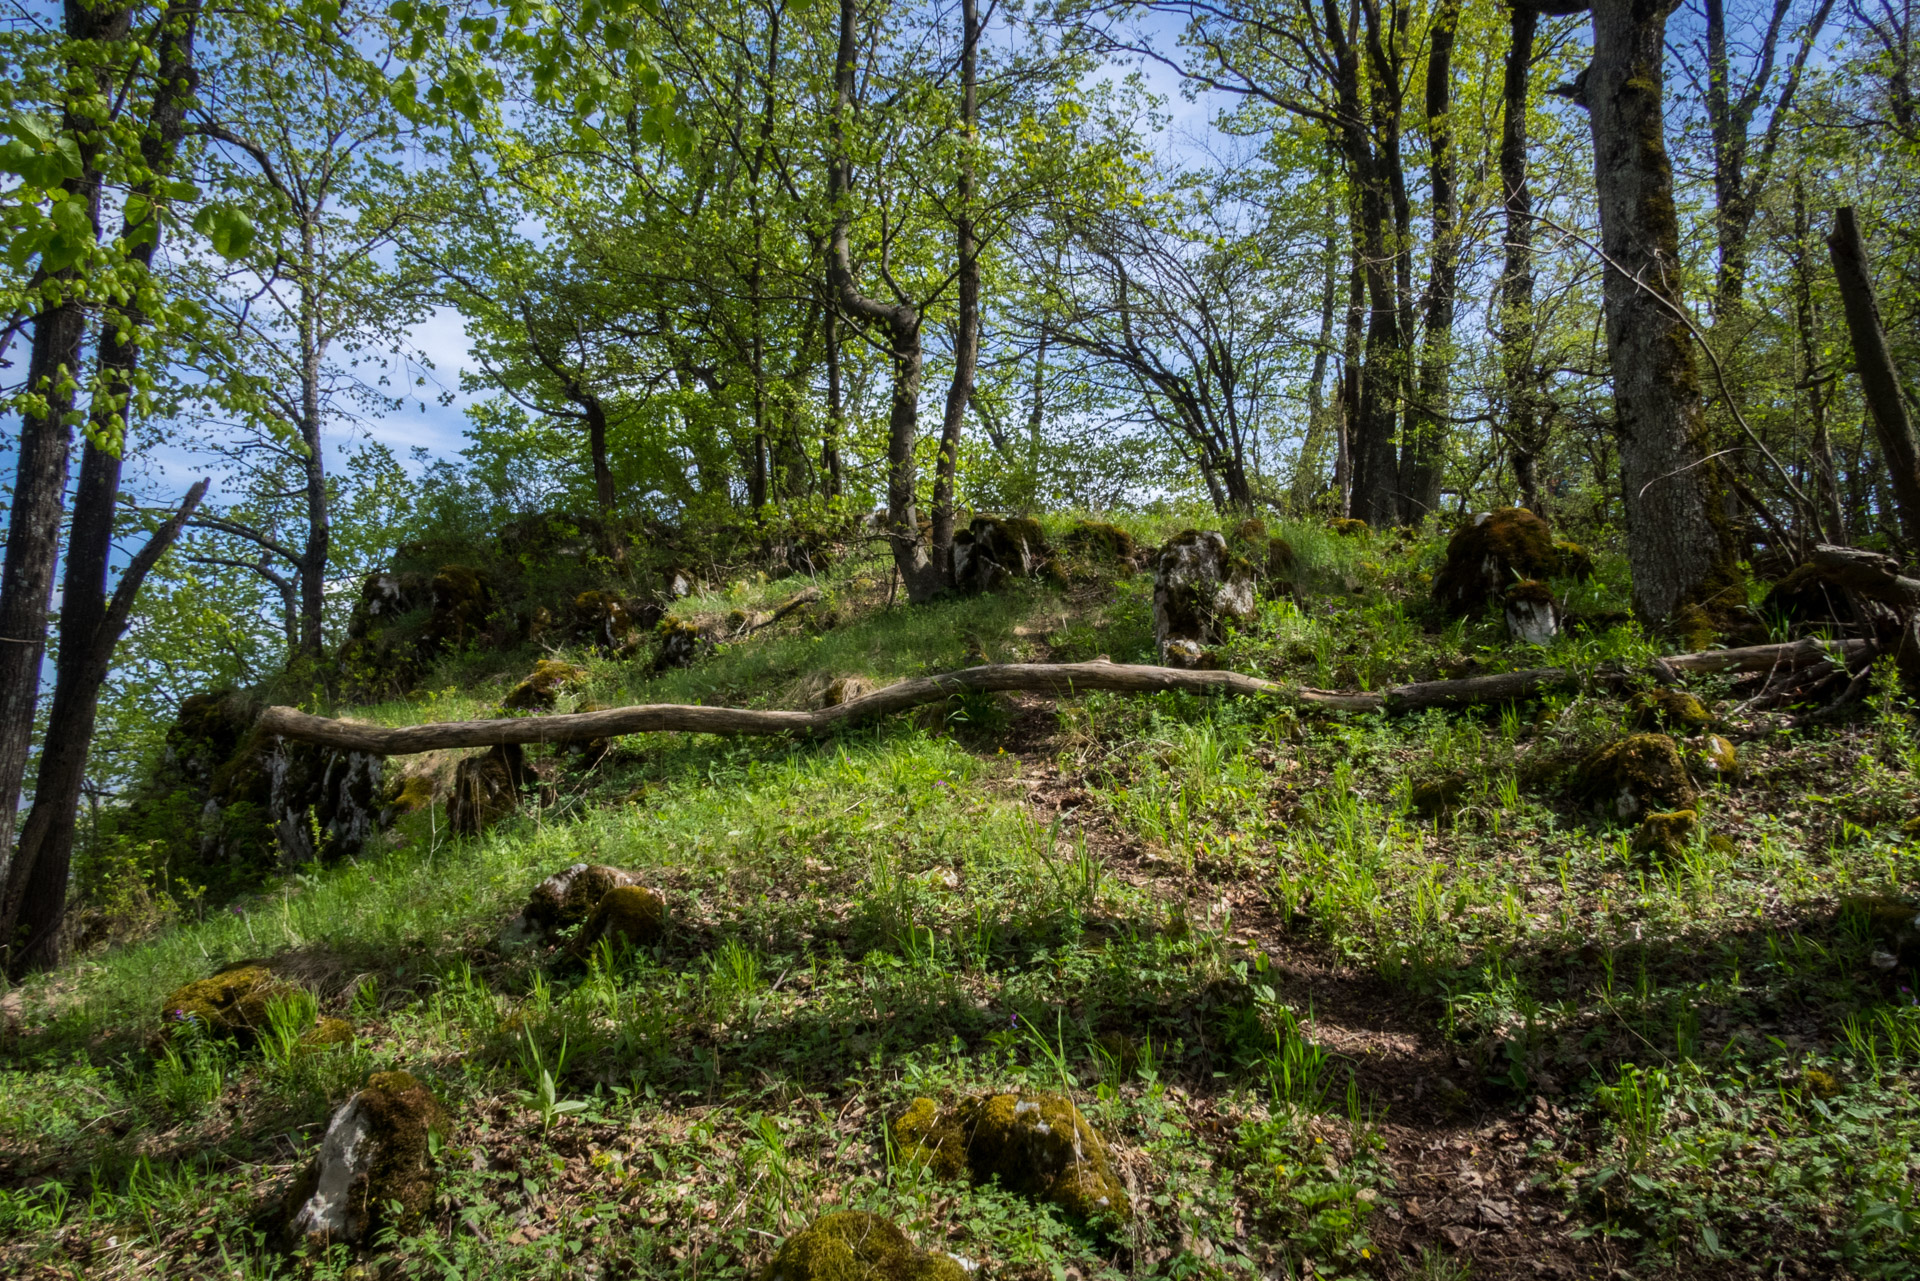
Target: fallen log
[1043, 678]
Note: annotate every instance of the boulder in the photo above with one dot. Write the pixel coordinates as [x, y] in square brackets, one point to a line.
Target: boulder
[1435, 796]
[327, 1033]
[1347, 526]
[603, 620]
[1666, 834]
[1720, 757]
[569, 896]
[486, 789]
[630, 914]
[1486, 557]
[231, 1004]
[681, 644]
[992, 549]
[1197, 589]
[1572, 561]
[1036, 1144]
[845, 689]
[1533, 615]
[1636, 776]
[375, 1167]
[1281, 560]
[853, 1245]
[542, 687]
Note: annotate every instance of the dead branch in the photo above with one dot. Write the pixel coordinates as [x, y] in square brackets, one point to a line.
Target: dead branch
[1043, 678]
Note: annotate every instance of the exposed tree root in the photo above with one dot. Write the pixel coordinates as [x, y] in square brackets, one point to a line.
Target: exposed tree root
[1046, 678]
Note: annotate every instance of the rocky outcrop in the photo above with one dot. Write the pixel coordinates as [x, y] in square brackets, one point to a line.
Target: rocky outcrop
[611, 625]
[543, 686]
[230, 1004]
[375, 1168]
[854, 1245]
[568, 897]
[993, 549]
[1098, 541]
[1487, 556]
[1198, 589]
[632, 915]
[461, 600]
[1668, 708]
[1036, 1144]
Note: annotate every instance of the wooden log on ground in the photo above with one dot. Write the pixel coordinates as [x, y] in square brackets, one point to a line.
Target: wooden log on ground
[1873, 575]
[1042, 678]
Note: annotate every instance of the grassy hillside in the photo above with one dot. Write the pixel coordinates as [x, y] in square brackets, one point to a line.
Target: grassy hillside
[1347, 995]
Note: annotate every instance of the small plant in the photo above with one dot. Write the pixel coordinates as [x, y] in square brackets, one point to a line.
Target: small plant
[543, 1096]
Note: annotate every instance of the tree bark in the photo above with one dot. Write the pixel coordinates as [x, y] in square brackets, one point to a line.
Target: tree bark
[1525, 438]
[1879, 379]
[1678, 543]
[1375, 461]
[1807, 329]
[901, 322]
[966, 250]
[1423, 455]
[836, 415]
[45, 443]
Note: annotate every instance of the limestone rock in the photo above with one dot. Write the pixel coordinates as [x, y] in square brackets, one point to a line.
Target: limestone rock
[681, 643]
[853, 1245]
[1636, 776]
[461, 601]
[845, 689]
[327, 1033]
[375, 1167]
[486, 789]
[1484, 557]
[604, 621]
[1720, 756]
[542, 687]
[1037, 1145]
[1197, 588]
[630, 914]
[232, 1003]
[1533, 615]
[1572, 561]
[993, 549]
[1096, 540]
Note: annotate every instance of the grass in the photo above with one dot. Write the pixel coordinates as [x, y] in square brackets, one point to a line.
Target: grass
[1326, 1032]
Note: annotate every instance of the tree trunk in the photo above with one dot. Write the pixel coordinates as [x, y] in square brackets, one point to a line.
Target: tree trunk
[1525, 439]
[313, 557]
[1879, 380]
[1423, 455]
[966, 343]
[901, 320]
[1678, 544]
[45, 443]
[1826, 481]
[830, 446]
[1306, 472]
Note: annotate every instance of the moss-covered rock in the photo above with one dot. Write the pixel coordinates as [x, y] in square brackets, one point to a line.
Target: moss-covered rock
[845, 689]
[1810, 596]
[568, 897]
[407, 793]
[1037, 1145]
[630, 914]
[1198, 588]
[1533, 614]
[486, 789]
[993, 549]
[232, 1003]
[1636, 776]
[603, 620]
[1720, 757]
[682, 643]
[1669, 708]
[1282, 561]
[1096, 540]
[375, 1169]
[1485, 557]
[1347, 526]
[853, 1245]
[1666, 834]
[543, 686]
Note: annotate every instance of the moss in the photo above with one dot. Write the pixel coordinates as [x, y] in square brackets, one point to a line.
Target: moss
[232, 1003]
[1820, 1083]
[541, 689]
[1484, 558]
[1668, 708]
[408, 793]
[1571, 560]
[399, 1185]
[327, 1033]
[681, 643]
[603, 620]
[1636, 775]
[632, 914]
[1037, 1145]
[845, 689]
[1720, 755]
[1666, 834]
[853, 1245]
[1882, 916]
[1100, 541]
